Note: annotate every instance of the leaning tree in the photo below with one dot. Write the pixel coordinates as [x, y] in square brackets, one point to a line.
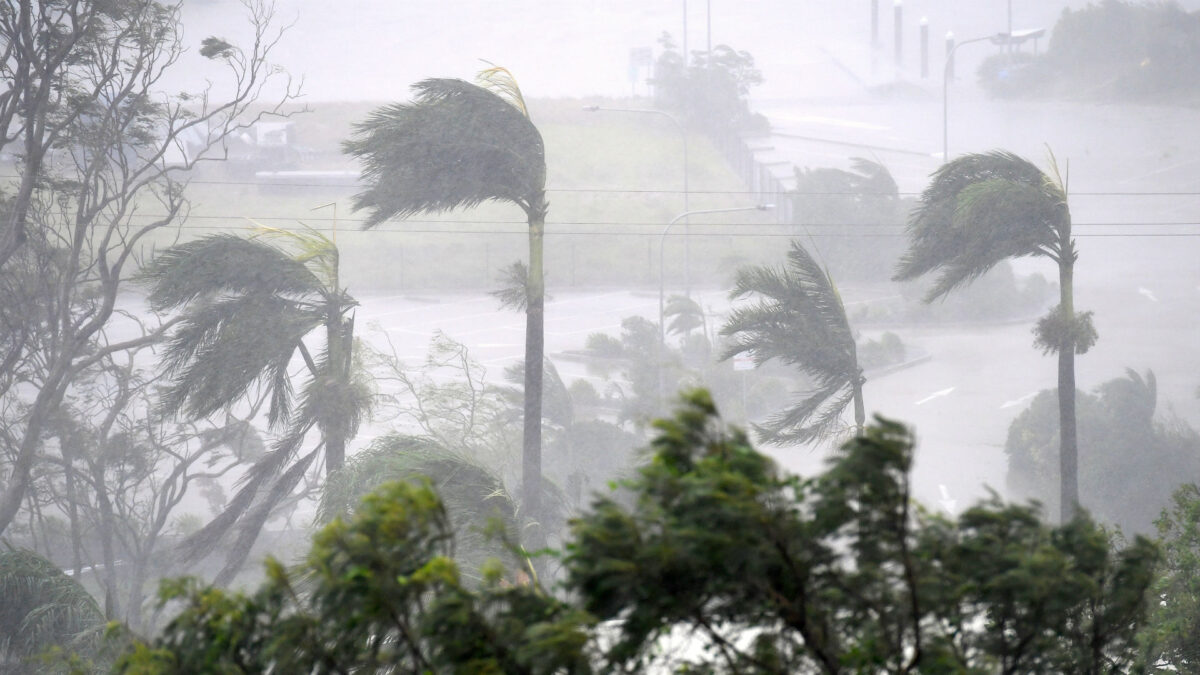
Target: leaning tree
[981, 209]
[246, 307]
[458, 145]
[799, 319]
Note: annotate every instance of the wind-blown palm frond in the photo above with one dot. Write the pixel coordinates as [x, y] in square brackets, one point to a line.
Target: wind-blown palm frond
[685, 315]
[41, 607]
[224, 263]
[978, 210]
[473, 494]
[456, 145]
[500, 81]
[799, 320]
[246, 308]
[221, 349]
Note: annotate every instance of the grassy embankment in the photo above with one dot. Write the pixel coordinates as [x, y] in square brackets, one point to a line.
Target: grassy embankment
[614, 182]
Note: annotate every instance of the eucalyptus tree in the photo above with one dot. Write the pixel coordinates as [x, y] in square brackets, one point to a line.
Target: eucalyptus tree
[981, 209]
[246, 308]
[458, 145]
[99, 172]
[799, 319]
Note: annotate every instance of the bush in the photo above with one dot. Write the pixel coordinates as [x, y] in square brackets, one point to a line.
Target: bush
[1110, 50]
[1129, 462]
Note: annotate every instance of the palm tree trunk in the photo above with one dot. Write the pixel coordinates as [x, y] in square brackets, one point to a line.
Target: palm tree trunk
[860, 413]
[531, 455]
[1068, 445]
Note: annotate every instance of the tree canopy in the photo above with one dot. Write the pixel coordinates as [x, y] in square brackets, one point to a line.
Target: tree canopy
[718, 562]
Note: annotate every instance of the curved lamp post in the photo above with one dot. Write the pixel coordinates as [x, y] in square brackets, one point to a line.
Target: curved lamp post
[1010, 38]
[662, 240]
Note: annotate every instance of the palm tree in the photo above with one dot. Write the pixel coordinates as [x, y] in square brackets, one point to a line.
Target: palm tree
[247, 307]
[981, 209]
[799, 319]
[457, 145]
[42, 608]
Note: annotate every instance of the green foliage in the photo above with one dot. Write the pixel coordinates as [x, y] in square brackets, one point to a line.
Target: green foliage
[457, 145]
[1128, 461]
[708, 88]
[886, 351]
[43, 608]
[842, 206]
[1108, 50]
[474, 496]
[377, 593]
[1054, 332]
[978, 210]
[721, 564]
[768, 573]
[799, 320]
[1172, 636]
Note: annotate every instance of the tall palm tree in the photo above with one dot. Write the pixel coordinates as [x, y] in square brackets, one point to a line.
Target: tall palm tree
[457, 145]
[247, 307]
[981, 209]
[800, 320]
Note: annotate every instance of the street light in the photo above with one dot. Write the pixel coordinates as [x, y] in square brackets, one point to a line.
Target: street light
[1010, 38]
[687, 257]
[662, 240]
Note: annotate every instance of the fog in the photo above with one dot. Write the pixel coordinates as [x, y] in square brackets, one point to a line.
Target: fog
[417, 298]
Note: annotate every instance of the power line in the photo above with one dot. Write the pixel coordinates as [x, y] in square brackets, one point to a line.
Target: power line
[614, 223]
[738, 233]
[679, 191]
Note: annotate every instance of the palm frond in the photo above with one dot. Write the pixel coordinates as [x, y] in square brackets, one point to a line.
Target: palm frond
[500, 81]
[309, 248]
[815, 415]
[978, 210]
[514, 287]
[221, 349]
[220, 264]
[873, 180]
[41, 606]
[473, 494]
[800, 320]
[456, 145]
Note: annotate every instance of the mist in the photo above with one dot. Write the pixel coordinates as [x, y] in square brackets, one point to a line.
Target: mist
[244, 287]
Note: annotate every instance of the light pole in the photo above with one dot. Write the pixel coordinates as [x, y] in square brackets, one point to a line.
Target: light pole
[1010, 38]
[998, 38]
[687, 283]
[662, 240]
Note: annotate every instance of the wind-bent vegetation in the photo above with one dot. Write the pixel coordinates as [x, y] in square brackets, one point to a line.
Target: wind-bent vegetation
[981, 209]
[799, 319]
[457, 145]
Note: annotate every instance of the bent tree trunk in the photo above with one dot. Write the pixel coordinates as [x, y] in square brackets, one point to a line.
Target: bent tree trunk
[531, 447]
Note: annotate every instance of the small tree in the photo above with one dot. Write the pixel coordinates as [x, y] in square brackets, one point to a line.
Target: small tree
[800, 320]
[247, 307]
[99, 175]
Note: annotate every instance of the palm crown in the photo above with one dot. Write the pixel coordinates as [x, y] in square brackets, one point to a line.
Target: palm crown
[799, 319]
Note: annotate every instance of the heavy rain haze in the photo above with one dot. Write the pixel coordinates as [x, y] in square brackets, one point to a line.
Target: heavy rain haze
[260, 261]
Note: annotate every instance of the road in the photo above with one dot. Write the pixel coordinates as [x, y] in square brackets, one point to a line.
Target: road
[960, 402]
